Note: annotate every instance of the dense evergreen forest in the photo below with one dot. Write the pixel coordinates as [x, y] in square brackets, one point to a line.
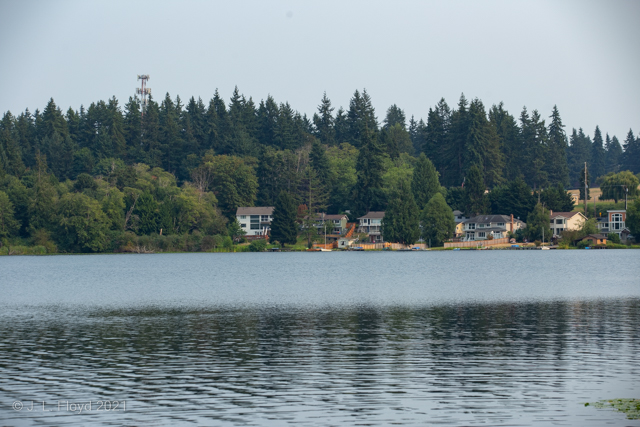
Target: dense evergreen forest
[97, 179]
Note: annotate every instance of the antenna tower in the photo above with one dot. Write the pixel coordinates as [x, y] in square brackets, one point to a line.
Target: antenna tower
[143, 91]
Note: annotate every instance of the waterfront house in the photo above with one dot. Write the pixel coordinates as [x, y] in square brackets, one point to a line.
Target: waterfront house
[459, 217]
[255, 220]
[371, 223]
[336, 224]
[561, 221]
[614, 222]
[483, 227]
[595, 239]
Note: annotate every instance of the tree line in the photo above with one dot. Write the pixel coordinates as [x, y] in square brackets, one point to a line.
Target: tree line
[106, 173]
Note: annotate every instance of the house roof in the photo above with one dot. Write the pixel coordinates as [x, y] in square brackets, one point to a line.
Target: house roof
[329, 217]
[487, 219]
[457, 213]
[255, 210]
[595, 236]
[564, 214]
[373, 215]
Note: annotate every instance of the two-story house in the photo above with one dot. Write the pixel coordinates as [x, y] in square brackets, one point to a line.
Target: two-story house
[336, 224]
[459, 217]
[371, 223]
[255, 221]
[561, 221]
[614, 222]
[485, 227]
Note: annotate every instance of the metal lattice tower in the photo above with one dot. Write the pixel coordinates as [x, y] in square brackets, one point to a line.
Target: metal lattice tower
[143, 91]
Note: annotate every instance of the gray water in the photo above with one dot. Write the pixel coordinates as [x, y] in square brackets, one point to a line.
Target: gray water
[513, 338]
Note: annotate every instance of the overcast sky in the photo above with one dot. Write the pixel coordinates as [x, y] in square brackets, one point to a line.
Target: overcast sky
[583, 56]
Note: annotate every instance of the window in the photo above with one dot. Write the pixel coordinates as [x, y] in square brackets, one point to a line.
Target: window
[616, 221]
[243, 217]
[471, 226]
[264, 218]
[481, 234]
[243, 225]
[480, 225]
[255, 222]
[500, 224]
[559, 221]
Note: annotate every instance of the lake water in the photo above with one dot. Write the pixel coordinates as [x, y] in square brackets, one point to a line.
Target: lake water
[513, 338]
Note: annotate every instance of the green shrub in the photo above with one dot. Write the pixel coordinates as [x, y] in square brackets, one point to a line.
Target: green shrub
[613, 237]
[258, 245]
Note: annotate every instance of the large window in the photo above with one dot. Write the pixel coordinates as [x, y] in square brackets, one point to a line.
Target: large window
[264, 218]
[481, 234]
[255, 222]
[616, 221]
[471, 226]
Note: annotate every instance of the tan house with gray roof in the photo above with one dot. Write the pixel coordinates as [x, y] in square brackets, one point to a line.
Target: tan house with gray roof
[561, 221]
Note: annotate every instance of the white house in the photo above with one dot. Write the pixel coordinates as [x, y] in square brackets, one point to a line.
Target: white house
[483, 227]
[255, 221]
[371, 224]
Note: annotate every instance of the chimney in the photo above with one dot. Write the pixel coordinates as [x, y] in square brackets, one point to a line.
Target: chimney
[512, 223]
[550, 213]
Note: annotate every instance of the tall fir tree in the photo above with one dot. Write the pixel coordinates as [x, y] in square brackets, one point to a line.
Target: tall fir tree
[425, 183]
[25, 135]
[323, 122]
[395, 116]
[613, 154]
[453, 165]
[510, 144]
[631, 155]
[437, 220]
[598, 160]
[369, 194]
[533, 136]
[475, 192]
[360, 119]
[132, 128]
[284, 228]
[578, 154]
[401, 222]
[10, 152]
[482, 147]
[556, 164]
[435, 135]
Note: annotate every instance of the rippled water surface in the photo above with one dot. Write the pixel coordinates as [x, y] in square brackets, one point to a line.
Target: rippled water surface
[453, 338]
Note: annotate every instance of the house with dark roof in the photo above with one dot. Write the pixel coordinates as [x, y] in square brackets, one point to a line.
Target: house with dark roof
[561, 221]
[255, 220]
[371, 223]
[614, 222]
[483, 227]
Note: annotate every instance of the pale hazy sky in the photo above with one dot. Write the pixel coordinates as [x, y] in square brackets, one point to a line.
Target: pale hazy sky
[582, 55]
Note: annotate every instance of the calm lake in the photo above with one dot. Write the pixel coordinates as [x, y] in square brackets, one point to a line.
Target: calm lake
[509, 338]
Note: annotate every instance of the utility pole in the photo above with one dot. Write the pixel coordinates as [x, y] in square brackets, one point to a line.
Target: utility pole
[585, 188]
[626, 192]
